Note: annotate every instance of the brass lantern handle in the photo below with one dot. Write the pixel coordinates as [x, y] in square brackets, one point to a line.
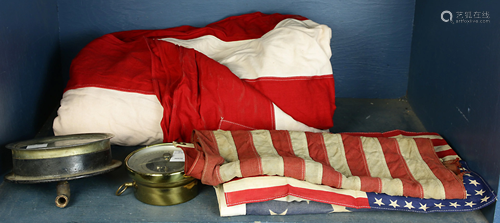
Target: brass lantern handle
[123, 188]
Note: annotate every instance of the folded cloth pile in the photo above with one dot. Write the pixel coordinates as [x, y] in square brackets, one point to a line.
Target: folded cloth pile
[253, 71]
[391, 171]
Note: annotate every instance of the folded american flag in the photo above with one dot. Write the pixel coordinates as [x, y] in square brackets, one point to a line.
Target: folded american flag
[287, 196]
[401, 165]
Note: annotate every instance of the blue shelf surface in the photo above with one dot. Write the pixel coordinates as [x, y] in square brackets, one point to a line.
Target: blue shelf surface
[93, 199]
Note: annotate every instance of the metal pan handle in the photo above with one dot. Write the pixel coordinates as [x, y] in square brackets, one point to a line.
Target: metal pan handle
[124, 187]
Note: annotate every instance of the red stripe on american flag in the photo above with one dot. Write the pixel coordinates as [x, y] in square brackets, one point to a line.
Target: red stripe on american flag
[439, 142]
[194, 160]
[250, 161]
[355, 155]
[331, 177]
[207, 145]
[255, 195]
[446, 153]
[399, 168]
[317, 149]
[294, 166]
[330, 197]
[447, 178]
[372, 184]
[271, 193]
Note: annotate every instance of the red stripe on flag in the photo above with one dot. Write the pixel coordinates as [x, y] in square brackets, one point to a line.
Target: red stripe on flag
[445, 153]
[280, 90]
[294, 166]
[255, 195]
[317, 149]
[439, 142]
[447, 178]
[330, 197]
[398, 167]
[209, 156]
[194, 161]
[271, 193]
[372, 184]
[250, 161]
[355, 155]
[331, 177]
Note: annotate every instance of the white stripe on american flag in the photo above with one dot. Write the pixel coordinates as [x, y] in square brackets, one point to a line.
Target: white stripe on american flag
[272, 163]
[336, 153]
[230, 170]
[432, 186]
[314, 172]
[451, 157]
[442, 148]
[299, 144]
[263, 143]
[375, 158]
[392, 186]
[352, 182]
[227, 149]
[377, 165]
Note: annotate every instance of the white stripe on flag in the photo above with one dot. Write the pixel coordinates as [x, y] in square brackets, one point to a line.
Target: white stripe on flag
[375, 158]
[310, 38]
[442, 148]
[272, 163]
[227, 148]
[299, 144]
[314, 172]
[336, 153]
[392, 186]
[352, 182]
[230, 170]
[432, 186]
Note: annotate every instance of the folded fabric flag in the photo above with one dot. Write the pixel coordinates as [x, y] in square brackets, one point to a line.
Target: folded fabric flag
[288, 196]
[254, 71]
[398, 166]
[273, 195]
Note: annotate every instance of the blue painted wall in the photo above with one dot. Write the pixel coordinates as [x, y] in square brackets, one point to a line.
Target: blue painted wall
[30, 77]
[371, 39]
[454, 82]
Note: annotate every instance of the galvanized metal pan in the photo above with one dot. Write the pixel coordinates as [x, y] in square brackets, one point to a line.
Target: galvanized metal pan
[61, 158]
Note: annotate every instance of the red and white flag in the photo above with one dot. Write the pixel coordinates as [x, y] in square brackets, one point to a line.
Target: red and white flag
[254, 71]
[400, 165]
